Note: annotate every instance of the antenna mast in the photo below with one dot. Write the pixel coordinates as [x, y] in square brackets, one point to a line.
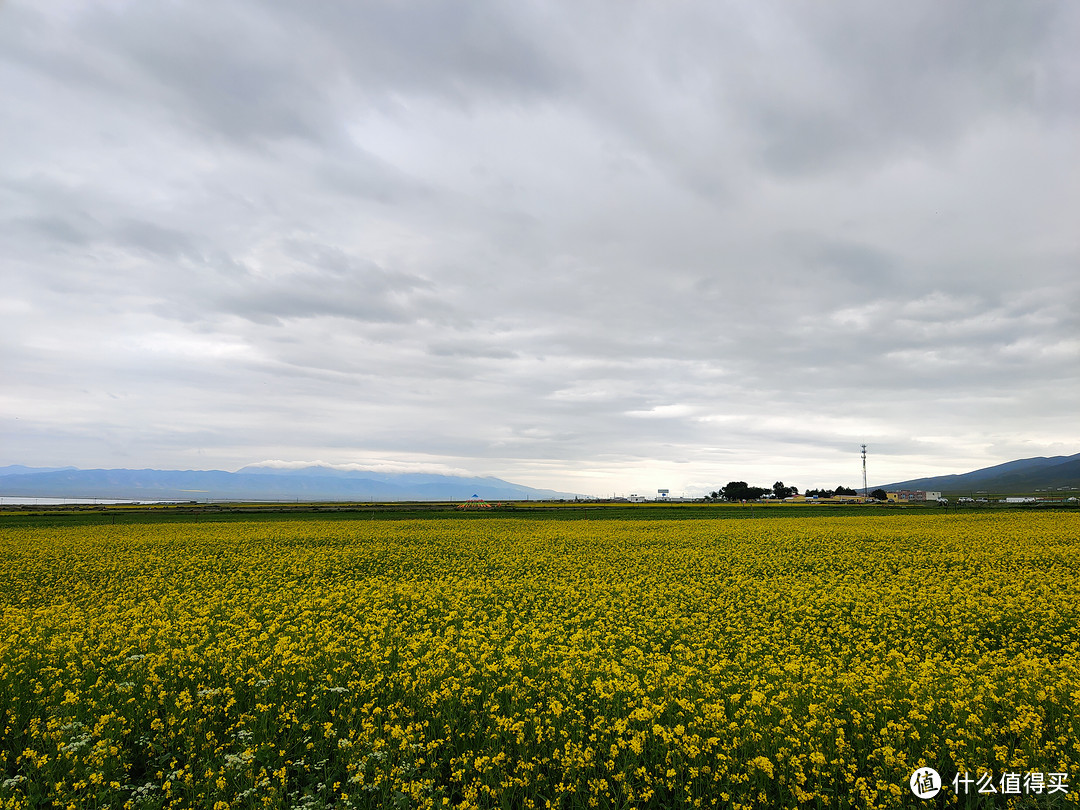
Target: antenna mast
[864, 487]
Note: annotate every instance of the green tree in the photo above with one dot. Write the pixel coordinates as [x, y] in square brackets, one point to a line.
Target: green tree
[781, 491]
[741, 491]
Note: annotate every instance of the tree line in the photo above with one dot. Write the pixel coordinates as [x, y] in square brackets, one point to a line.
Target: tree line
[741, 491]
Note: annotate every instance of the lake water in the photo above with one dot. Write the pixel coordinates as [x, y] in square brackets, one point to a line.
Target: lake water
[22, 500]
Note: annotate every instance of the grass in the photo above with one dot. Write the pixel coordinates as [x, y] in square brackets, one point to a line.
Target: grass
[125, 514]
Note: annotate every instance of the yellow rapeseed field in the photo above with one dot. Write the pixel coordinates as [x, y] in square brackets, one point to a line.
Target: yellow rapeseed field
[528, 663]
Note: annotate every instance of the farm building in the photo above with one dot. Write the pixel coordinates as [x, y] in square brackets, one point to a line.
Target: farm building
[912, 496]
[831, 499]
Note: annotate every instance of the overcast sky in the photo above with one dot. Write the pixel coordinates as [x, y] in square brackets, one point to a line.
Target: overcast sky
[599, 247]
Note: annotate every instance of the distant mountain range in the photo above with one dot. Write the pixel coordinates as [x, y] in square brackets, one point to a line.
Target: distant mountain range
[1023, 476]
[257, 483]
[318, 483]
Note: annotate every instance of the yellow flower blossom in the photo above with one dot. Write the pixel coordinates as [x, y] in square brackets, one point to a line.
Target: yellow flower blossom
[479, 660]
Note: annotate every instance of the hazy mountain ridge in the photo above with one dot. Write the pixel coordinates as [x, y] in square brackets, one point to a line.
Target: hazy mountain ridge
[20, 469]
[1026, 475]
[307, 484]
[370, 475]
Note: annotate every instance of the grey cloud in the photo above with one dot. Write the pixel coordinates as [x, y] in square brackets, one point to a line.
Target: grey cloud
[153, 238]
[429, 47]
[469, 349]
[356, 173]
[243, 73]
[240, 74]
[53, 229]
[847, 262]
[913, 76]
[47, 210]
[324, 283]
[512, 239]
[331, 260]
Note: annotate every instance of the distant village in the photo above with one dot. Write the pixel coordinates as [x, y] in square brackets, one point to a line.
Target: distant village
[740, 492]
[812, 496]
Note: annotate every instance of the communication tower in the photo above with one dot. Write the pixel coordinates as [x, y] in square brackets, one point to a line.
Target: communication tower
[864, 487]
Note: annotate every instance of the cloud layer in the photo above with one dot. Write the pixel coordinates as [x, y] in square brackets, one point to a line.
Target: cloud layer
[613, 249]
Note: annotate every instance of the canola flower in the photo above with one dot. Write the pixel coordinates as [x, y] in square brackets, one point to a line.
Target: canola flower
[492, 663]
